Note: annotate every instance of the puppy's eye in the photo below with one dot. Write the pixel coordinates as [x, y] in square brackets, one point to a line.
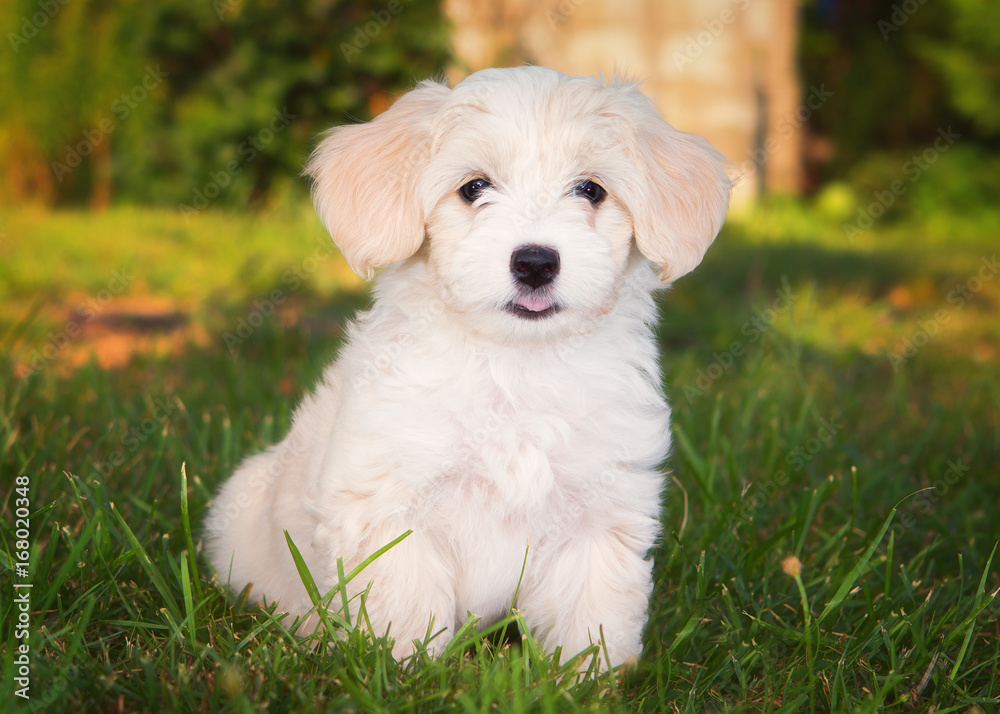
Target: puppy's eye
[474, 189]
[591, 191]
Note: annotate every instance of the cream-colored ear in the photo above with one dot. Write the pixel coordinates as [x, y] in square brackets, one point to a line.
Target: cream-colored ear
[366, 181]
[681, 207]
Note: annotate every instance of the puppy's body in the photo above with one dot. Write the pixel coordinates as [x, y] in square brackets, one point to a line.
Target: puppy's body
[503, 393]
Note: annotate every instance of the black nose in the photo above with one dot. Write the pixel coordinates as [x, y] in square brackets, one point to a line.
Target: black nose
[534, 265]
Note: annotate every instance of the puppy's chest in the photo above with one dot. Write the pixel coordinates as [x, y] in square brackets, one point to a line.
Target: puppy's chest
[513, 430]
[518, 438]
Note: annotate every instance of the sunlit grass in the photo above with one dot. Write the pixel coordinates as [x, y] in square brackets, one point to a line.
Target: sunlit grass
[802, 444]
[220, 256]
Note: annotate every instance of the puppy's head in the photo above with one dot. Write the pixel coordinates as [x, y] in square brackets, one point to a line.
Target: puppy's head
[528, 193]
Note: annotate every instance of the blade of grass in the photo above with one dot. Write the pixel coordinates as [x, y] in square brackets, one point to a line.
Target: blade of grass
[970, 623]
[188, 600]
[312, 590]
[342, 586]
[795, 705]
[69, 562]
[159, 582]
[855, 572]
[686, 632]
[374, 556]
[186, 527]
[698, 466]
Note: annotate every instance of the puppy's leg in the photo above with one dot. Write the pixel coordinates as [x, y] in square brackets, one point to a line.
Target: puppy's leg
[245, 542]
[596, 582]
[411, 583]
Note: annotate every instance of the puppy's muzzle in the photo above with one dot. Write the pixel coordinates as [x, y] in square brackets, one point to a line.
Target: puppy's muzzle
[534, 265]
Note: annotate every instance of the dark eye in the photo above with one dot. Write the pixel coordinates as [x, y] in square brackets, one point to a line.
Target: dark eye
[592, 191]
[474, 189]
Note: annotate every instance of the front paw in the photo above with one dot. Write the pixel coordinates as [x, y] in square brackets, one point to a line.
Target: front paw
[591, 595]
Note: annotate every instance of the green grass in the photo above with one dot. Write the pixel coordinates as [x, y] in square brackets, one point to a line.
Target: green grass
[802, 440]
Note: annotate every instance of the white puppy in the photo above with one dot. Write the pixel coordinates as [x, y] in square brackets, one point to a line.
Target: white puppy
[502, 396]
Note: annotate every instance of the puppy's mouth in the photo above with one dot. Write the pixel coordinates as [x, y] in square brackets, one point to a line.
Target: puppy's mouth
[532, 307]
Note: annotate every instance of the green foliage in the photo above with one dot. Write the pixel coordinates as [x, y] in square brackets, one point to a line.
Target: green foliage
[899, 72]
[64, 67]
[317, 62]
[165, 102]
[803, 444]
[969, 63]
[964, 180]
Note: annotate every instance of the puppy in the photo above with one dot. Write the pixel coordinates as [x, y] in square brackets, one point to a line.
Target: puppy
[501, 399]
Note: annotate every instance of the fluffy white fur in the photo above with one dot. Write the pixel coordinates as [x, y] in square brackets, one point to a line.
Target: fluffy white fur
[451, 414]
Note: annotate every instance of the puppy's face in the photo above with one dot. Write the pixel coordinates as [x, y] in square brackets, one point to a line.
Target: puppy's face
[527, 193]
[526, 232]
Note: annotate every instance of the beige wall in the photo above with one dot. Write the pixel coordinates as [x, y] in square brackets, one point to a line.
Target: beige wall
[722, 68]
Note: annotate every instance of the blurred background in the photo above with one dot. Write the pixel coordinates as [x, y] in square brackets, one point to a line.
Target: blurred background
[106, 102]
[151, 196]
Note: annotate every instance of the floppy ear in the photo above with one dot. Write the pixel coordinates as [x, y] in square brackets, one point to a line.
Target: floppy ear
[680, 207]
[366, 181]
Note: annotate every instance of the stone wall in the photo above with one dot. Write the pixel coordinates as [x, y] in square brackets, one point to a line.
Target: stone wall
[721, 68]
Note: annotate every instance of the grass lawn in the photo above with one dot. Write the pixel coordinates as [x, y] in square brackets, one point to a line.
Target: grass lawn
[834, 401]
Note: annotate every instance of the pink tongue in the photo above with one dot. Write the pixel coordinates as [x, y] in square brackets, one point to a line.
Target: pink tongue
[534, 304]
